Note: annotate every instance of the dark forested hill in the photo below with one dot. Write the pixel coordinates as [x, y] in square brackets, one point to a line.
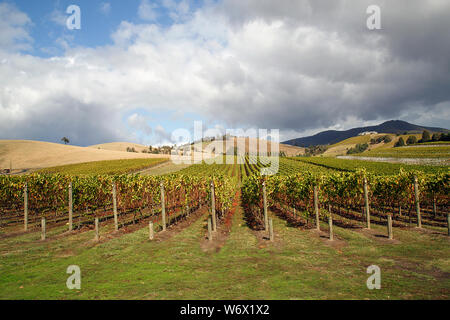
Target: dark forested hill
[334, 136]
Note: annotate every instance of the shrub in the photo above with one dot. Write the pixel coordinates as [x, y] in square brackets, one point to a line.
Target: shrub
[426, 136]
[360, 147]
[436, 136]
[411, 140]
[400, 142]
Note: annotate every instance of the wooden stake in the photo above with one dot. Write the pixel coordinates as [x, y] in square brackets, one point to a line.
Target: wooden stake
[213, 207]
[163, 207]
[448, 223]
[97, 236]
[209, 229]
[270, 229]
[116, 222]
[366, 203]
[25, 207]
[43, 229]
[434, 205]
[416, 196]
[70, 207]
[389, 225]
[150, 229]
[316, 207]
[266, 221]
[330, 223]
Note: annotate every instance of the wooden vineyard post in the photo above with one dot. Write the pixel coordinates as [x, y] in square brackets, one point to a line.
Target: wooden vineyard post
[97, 237]
[266, 221]
[25, 207]
[209, 229]
[270, 229]
[448, 223]
[434, 205]
[389, 225]
[416, 197]
[70, 207]
[150, 230]
[163, 207]
[43, 229]
[213, 207]
[316, 207]
[116, 222]
[366, 203]
[330, 223]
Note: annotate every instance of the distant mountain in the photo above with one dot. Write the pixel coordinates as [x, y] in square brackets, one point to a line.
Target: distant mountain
[334, 136]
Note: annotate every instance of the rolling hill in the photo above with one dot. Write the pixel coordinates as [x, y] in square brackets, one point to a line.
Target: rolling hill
[334, 136]
[252, 145]
[340, 148]
[29, 155]
[120, 146]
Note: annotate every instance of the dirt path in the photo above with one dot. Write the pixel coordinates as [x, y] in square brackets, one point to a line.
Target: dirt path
[223, 228]
[163, 168]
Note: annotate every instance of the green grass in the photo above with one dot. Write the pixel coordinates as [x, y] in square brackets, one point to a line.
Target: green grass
[105, 167]
[371, 166]
[167, 168]
[356, 140]
[298, 265]
[410, 152]
[434, 143]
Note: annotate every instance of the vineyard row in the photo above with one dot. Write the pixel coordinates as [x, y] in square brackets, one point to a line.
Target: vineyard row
[353, 196]
[69, 198]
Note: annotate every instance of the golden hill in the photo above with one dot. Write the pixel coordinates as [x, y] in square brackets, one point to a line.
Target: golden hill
[252, 145]
[341, 147]
[29, 154]
[119, 146]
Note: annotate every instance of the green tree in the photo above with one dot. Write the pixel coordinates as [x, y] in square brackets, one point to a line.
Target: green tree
[436, 136]
[65, 140]
[411, 140]
[426, 136]
[400, 142]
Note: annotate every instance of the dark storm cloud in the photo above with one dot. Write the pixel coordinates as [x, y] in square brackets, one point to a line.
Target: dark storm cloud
[349, 70]
[297, 66]
[84, 124]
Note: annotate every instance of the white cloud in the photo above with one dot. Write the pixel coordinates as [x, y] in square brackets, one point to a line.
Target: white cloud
[139, 123]
[58, 17]
[163, 137]
[177, 10]
[241, 66]
[105, 8]
[146, 10]
[14, 26]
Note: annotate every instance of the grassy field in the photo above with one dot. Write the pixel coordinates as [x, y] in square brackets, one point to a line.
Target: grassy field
[105, 167]
[239, 263]
[434, 143]
[36, 155]
[299, 264]
[373, 167]
[410, 152]
[343, 146]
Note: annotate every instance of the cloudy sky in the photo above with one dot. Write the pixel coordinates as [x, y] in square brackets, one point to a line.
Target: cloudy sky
[139, 69]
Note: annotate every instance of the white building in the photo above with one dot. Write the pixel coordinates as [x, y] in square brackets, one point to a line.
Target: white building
[366, 133]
